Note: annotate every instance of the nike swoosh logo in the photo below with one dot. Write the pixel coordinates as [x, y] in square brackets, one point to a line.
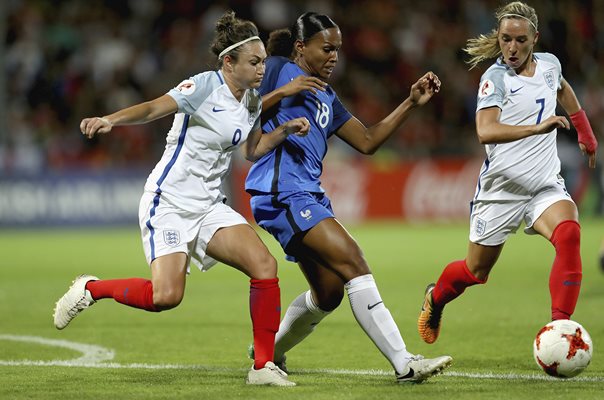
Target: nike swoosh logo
[408, 375]
[217, 109]
[369, 307]
[512, 91]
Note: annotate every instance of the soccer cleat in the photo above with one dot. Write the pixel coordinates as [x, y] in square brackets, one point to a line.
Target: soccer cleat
[279, 363]
[269, 375]
[428, 323]
[74, 301]
[421, 368]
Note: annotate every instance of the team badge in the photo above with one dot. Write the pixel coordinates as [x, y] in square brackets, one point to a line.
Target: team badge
[186, 87]
[549, 79]
[480, 226]
[306, 214]
[172, 237]
[486, 88]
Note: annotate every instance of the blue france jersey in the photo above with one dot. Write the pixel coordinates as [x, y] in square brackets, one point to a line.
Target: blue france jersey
[297, 163]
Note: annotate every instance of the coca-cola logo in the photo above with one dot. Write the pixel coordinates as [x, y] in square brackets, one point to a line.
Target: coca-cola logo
[436, 192]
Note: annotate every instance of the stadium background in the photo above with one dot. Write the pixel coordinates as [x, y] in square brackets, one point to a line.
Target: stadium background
[65, 60]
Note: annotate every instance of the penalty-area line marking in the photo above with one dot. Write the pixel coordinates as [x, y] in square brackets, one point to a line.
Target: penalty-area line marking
[97, 357]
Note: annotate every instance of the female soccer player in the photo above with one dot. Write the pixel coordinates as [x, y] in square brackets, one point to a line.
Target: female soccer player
[288, 201]
[519, 180]
[182, 213]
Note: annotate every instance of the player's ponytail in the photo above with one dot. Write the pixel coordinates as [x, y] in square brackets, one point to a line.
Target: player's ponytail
[280, 43]
[230, 30]
[485, 47]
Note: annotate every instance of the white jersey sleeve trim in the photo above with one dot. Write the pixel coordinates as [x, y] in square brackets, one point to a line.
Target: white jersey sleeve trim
[491, 91]
[192, 92]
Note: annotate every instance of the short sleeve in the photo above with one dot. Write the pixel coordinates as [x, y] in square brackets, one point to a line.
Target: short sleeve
[340, 114]
[192, 92]
[491, 91]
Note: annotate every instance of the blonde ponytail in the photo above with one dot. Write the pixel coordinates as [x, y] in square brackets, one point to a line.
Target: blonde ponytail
[485, 47]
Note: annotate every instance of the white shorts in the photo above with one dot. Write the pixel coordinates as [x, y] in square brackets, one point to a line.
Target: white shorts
[492, 221]
[166, 229]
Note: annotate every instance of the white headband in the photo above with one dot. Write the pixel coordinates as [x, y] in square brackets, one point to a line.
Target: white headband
[231, 47]
[519, 16]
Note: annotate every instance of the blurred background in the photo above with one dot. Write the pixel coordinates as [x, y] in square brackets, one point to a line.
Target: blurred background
[66, 60]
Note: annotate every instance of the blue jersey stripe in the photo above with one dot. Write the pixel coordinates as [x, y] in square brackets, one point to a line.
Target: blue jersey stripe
[486, 163]
[288, 213]
[275, 181]
[181, 140]
[151, 229]
[219, 77]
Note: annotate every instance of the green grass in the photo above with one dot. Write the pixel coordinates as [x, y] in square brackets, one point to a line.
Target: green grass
[488, 330]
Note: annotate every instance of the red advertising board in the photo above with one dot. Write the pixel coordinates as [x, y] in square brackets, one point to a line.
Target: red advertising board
[433, 190]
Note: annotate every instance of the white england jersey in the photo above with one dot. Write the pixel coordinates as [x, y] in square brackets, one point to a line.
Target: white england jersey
[516, 170]
[209, 126]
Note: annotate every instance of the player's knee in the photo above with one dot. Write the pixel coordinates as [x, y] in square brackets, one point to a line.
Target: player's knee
[480, 271]
[330, 300]
[353, 265]
[567, 234]
[263, 266]
[167, 299]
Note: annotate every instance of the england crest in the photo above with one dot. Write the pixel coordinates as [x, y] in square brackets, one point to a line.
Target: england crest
[549, 79]
[172, 237]
[480, 226]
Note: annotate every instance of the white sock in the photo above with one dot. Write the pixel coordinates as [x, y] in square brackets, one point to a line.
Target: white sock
[300, 319]
[375, 319]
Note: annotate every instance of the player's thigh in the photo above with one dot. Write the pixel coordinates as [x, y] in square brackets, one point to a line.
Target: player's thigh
[549, 207]
[481, 259]
[330, 244]
[288, 216]
[240, 247]
[326, 286]
[547, 222]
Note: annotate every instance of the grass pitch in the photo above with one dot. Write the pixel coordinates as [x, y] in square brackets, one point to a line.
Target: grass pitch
[198, 350]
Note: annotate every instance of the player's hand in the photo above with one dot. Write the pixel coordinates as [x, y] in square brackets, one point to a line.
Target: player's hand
[302, 83]
[423, 90]
[298, 126]
[551, 123]
[590, 156]
[95, 125]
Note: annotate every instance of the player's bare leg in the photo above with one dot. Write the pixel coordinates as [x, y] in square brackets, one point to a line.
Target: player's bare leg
[164, 291]
[455, 278]
[240, 247]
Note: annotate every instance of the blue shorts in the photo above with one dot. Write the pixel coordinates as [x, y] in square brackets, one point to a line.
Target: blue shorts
[286, 214]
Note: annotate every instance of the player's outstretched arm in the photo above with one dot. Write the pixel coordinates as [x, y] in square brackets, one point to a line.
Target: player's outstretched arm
[586, 138]
[137, 114]
[368, 140]
[258, 144]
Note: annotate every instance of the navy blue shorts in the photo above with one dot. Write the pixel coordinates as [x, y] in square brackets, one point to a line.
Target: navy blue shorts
[286, 214]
